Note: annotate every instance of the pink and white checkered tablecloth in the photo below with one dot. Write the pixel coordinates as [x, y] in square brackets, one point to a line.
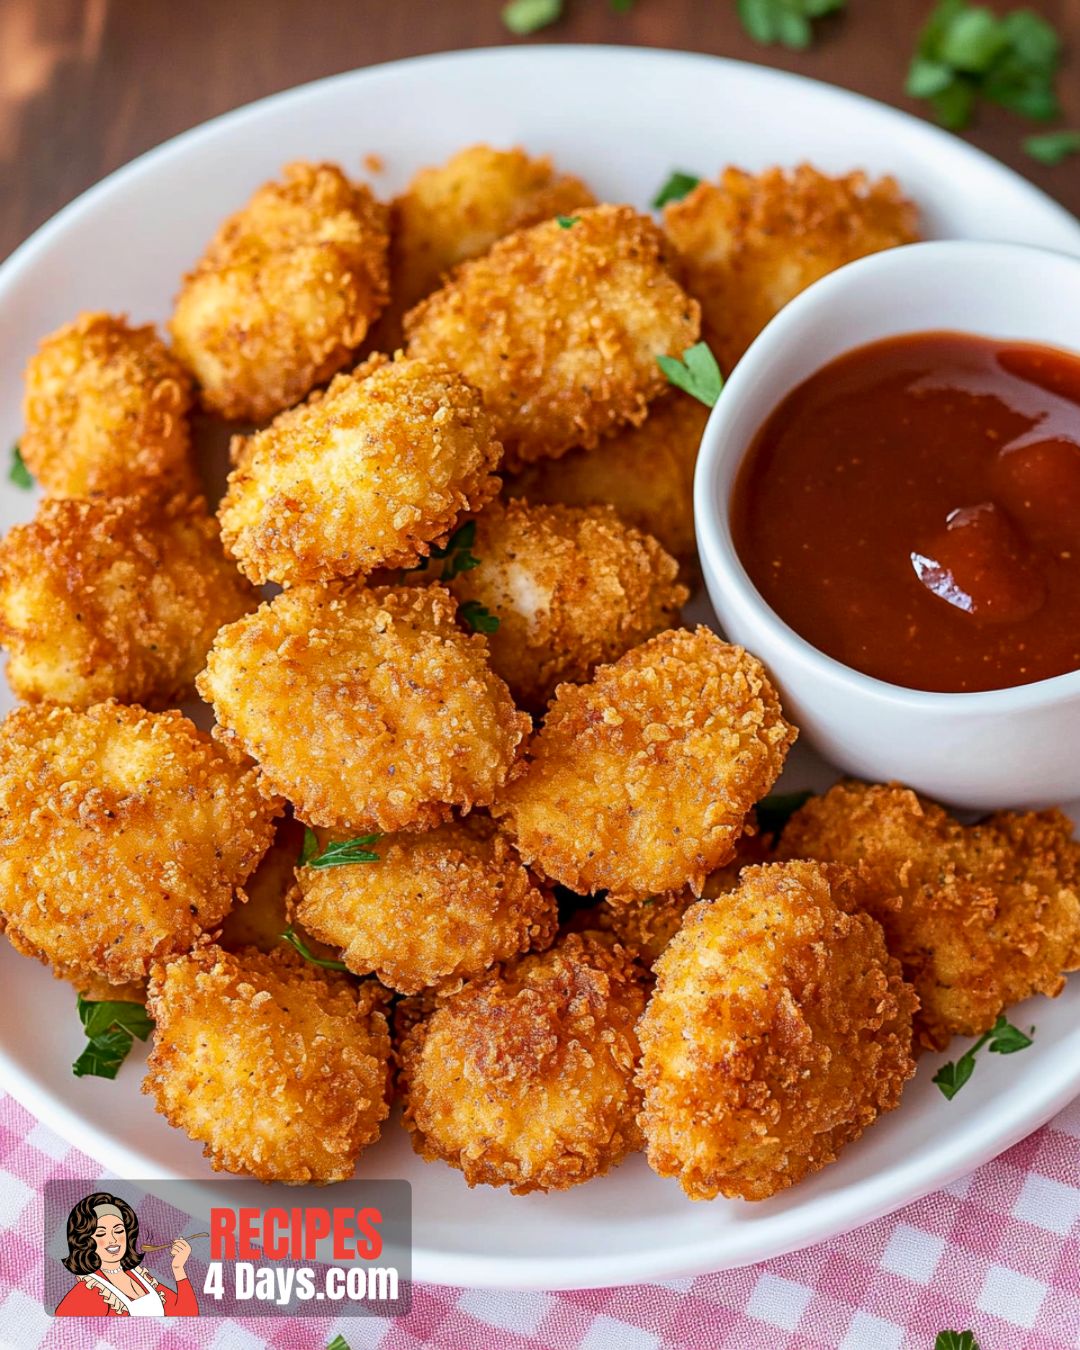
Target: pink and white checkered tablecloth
[998, 1252]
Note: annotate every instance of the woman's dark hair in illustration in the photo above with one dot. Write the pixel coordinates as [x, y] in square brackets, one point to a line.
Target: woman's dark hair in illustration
[82, 1257]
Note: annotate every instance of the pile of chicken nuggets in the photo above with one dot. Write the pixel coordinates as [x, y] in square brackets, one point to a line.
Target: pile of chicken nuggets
[465, 758]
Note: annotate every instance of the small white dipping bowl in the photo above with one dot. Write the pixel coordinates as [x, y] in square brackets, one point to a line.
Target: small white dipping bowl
[1009, 747]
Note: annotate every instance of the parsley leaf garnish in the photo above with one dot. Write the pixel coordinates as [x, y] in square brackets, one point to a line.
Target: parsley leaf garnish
[479, 618]
[675, 189]
[1003, 1039]
[966, 52]
[774, 812]
[1053, 146]
[455, 554]
[696, 372]
[565, 222]
[956, 1340]
[342, 853]
[291, 936]
[788, 22]
[111, 1027]
[523, 17]
[19, 474]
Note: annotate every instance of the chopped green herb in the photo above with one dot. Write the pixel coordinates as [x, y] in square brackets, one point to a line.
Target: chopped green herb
[565, 222]
[621, 6]
[290, 936]
[966, 52]
[774, 812]
[110, 1027]
[1053, 146]
[788, 22]
[1003, 1039]
[342, 853]
[523, 17]
[19, 474]
[454, 555]
[696, 372]
[675, 189]
[339, 1343]
[956, 1340]
[479, 619]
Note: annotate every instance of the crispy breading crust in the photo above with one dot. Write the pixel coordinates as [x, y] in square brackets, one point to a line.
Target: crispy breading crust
[779, 1029]
[436, 908]
[980, 916]
[368, 474]
[115, 598]
[750, 243]
[572, 587]
[106, 410]
[368, 709]
[278, 1068]
[123, 835]
[284, 293]
[454, 211]
[646, 927]
[641, 781]
[646, 473]
[560, 329]
[524, 1078]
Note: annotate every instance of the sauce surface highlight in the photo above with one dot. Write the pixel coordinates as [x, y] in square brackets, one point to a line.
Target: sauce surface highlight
[913, 510]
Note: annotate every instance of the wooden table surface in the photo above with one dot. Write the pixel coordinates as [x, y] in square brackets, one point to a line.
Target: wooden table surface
[87, 84]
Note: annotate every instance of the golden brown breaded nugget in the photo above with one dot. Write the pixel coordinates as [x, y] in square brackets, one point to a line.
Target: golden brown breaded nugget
[368, 709]
[106, 410]
[368, 474]
[436, 908]
[278, 1068]
[455, 211]
[284, 293]
[115, 598]
[779, 1029]
[560, 329]
[96, 989]
[645, 927]
[641, 781]
[646, 473]
[750, 243]
[524, 1078]
[571, 586]
[125, 834]
[980, 916]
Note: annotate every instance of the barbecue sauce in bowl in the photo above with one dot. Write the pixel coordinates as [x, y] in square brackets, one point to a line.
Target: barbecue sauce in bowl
[913, 510]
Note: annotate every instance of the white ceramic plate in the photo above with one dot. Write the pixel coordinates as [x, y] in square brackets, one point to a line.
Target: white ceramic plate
[622, 119]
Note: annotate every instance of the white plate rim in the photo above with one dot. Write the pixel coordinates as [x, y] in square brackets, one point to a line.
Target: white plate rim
[861, 1202]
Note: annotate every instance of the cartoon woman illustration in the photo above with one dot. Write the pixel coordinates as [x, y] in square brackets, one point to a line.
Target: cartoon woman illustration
[103, 1252]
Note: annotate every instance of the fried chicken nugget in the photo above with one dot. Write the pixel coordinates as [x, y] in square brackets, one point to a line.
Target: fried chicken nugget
[560, 329]
[370, 473]
[436, 908]
[779, 1029]
[124, 835]
[368, 709]
[278, 1068]
[641, 781]
[646, 473]
[106, 411]
[285, 292]
[646, 927]
[457, 210]
[525, 1077]
[572, 587]
[748, 244]
[980, 916]
[115, 598]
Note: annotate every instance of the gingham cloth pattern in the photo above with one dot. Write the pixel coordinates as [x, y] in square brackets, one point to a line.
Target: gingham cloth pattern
[998, 1252]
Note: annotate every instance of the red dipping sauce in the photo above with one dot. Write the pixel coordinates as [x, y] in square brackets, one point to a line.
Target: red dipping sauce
[913, 510]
